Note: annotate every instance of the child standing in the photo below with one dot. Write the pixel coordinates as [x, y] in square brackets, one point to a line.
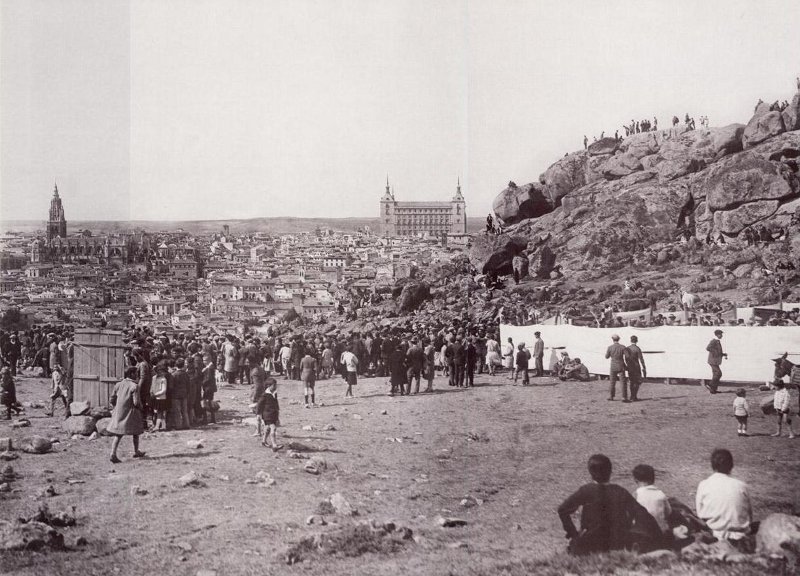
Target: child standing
[782, 407]
[159, 395]
[269, 411]
[741, 410]
[653, 499]
[59, 391]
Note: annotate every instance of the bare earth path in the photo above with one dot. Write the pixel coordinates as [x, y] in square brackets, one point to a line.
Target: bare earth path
[527, 452]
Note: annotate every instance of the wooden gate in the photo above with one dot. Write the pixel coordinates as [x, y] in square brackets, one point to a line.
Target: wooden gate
[99, 364]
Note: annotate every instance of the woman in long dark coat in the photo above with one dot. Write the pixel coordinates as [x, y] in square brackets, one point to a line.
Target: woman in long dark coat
[126, 418]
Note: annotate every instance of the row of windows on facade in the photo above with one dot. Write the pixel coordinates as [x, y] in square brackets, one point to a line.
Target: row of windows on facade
[418, 221]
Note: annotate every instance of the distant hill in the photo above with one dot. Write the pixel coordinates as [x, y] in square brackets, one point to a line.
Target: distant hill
[285, 225]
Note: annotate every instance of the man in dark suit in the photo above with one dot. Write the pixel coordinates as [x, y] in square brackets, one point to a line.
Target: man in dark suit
[618, 355]
[715, 356]
[635, 367]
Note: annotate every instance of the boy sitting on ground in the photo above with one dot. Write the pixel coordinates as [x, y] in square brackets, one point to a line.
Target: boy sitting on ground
[653, 499]
[611, 519]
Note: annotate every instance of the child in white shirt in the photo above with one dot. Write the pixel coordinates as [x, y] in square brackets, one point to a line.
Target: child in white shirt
[651, 498]
[741, 410]
[781, 403]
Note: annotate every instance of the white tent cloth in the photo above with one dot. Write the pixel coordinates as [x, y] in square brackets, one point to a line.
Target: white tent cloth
[673, 351]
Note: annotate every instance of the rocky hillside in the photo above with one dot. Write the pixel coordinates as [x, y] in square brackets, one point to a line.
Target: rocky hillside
[611, 211]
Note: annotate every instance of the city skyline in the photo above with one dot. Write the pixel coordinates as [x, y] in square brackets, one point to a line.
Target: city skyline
[188, 111]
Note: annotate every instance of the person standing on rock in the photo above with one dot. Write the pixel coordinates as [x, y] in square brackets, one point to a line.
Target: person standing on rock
[715, 356]
[538, 355]
[585, 142]
[126, 417]
[634, 364]
[618, 355]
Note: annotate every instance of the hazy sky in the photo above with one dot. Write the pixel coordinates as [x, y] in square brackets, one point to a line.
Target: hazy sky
[195, 109]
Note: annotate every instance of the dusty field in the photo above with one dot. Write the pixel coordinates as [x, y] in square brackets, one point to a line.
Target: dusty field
[527, 452]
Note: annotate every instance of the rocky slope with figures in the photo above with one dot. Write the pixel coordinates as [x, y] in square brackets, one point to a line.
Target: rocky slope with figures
[617, 211]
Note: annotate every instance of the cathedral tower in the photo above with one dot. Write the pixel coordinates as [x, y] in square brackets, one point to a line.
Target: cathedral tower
[57, 224]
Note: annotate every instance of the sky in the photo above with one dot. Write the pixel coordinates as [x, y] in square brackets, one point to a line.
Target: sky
[218, 109]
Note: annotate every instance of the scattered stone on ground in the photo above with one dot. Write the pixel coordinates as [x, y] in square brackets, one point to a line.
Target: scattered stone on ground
[21, 423]
[779, 534]
[447, 522]
[29, 536]
[138, 491]
[195, 444]
[35, 445]
[342, 506]
[80, 408]
[191, 479]
[82, 425]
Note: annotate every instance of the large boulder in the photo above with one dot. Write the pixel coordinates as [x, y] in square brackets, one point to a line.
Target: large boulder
[762, 127]
[779, 534]
[413, 294]
[518, 203]
[621, 165]
[791, 115]
[604, 146]
[726, 140]
[83, 425]
[640, 145]
[499, 261]
[564, 176]
[734, 221]
[746, 177]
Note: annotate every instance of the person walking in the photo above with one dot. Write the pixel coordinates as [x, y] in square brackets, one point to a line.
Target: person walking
[618, 355]
[538, 355]
[126, 417]
[349, 362]
[634, 364]
[715, 356]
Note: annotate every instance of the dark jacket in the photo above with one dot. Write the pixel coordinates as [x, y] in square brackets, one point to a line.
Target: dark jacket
[268, 408]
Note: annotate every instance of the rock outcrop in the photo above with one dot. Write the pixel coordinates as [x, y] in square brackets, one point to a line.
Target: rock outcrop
[502, 253]
[518, 203]
[762, 127]
[413, 295]
[739, 176]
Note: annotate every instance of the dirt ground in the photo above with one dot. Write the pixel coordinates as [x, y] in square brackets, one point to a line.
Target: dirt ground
[519, 451]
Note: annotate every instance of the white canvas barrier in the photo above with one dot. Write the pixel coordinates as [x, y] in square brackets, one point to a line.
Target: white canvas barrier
[672, 351]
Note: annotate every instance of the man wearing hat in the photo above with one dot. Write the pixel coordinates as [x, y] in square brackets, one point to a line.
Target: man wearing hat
[715, 356]
[619, 357]
[635, 367]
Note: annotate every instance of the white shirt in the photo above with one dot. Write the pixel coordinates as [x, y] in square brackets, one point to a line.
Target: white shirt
[723, 503]
[350, 361]
[740, 406]
[655, 502]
